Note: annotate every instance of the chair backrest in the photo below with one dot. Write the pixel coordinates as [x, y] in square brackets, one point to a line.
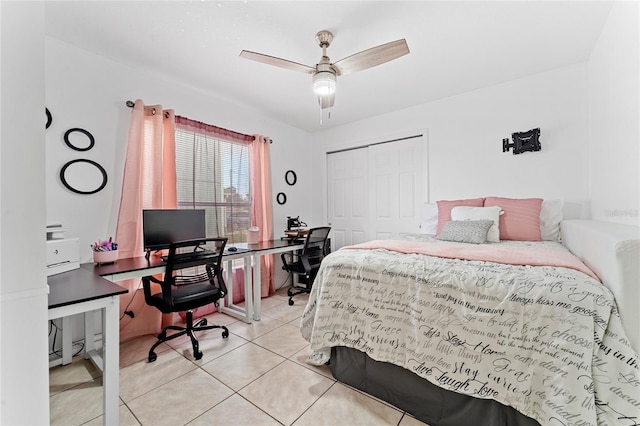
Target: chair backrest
[205, 252]
[197, 252]
[315, 244]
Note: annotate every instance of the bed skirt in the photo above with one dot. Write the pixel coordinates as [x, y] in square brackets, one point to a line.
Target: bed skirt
[423, 400]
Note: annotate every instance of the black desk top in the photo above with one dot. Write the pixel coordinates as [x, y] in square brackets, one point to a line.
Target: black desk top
[262, 246]
[79, 285]
[124, 265]
[272, 244]
[140, 263]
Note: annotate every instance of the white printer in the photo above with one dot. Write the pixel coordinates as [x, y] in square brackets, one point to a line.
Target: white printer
[63, 254]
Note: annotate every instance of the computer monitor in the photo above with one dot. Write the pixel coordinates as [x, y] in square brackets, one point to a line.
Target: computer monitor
[161, 227]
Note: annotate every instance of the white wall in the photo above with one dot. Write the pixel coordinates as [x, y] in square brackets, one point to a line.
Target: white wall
[614, 111]
[465, 135]
[24, 380]
[589, 119]
[89, 91]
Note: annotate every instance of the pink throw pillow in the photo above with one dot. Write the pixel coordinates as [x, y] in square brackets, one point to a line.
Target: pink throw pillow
[445, 206]
[521, 218]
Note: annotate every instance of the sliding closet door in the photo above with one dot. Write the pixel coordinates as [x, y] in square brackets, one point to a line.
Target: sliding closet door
[396, 182]
[374, 191]
[348, 202]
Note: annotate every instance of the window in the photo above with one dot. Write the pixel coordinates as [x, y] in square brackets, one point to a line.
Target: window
[212, 173]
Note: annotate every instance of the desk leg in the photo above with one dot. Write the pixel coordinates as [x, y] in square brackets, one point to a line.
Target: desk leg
[243, 313]
[257, 286]
[248, 305]
[111, 362]
[229, 280]
[89, 333]
[67, 344]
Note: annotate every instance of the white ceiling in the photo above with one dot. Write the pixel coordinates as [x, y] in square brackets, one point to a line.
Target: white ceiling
[455, 46]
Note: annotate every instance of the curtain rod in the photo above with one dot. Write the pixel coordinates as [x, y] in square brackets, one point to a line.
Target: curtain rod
[131, 104]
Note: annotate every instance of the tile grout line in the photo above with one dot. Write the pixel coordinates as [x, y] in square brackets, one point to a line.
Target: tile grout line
[295, 358]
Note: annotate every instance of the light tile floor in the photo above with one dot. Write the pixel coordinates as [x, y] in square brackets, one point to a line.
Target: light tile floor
[258, 376]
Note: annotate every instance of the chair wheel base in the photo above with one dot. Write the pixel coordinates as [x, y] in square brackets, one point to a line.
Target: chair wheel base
[294, 291]
[190, 330]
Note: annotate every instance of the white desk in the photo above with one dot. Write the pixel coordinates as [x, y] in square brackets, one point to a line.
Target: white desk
[137, 267]
[79, 292]
[90, 289]
[258, 250]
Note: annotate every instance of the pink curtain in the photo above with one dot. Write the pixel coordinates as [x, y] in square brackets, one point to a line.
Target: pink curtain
[149, 183]
[260, 171]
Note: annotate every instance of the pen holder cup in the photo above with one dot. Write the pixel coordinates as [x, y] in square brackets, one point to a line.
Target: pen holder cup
[252, 235]
[101, 257]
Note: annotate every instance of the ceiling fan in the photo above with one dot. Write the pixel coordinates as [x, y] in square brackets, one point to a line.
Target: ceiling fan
[325, 72]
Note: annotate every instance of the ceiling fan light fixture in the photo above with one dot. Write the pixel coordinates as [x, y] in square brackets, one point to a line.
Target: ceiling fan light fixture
[324, 83]
[324, 73]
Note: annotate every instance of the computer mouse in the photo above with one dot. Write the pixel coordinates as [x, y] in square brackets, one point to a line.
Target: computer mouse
[232, 249]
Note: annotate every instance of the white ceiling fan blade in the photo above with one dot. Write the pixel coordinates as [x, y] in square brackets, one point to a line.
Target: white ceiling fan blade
[372, 57]
[278, 62]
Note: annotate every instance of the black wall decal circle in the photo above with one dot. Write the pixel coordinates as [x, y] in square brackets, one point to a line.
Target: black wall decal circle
[290, 177]
[92, 141]
[281, 198]
[49, 118]
[77, 191]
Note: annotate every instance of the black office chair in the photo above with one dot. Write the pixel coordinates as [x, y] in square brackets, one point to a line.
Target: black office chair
[184, 290]
[307, 262]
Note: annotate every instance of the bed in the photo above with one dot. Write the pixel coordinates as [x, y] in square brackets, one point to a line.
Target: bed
[507, 333]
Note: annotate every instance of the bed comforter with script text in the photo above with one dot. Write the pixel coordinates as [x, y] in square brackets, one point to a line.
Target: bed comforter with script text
[546, 340]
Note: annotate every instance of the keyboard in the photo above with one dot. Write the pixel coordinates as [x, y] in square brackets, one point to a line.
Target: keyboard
[192, 255]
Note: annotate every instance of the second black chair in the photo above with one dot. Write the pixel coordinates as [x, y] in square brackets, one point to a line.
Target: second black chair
[307, 262]
[192, 278]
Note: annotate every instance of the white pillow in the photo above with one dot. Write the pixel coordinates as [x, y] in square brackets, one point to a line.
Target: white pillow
[428, 218]
[550, 218]
[480, 213]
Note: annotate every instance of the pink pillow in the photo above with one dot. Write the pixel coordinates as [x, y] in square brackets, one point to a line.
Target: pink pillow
[521, 218]
[445, 206]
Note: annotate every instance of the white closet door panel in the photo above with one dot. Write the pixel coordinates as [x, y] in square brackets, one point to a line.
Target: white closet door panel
[399, 179]
[407, 188]
[382, 195]
[358, 236]
[339, 198]
[337, 240]
[348, 200]
[374, 191]
[383, 236]
[359, 188]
